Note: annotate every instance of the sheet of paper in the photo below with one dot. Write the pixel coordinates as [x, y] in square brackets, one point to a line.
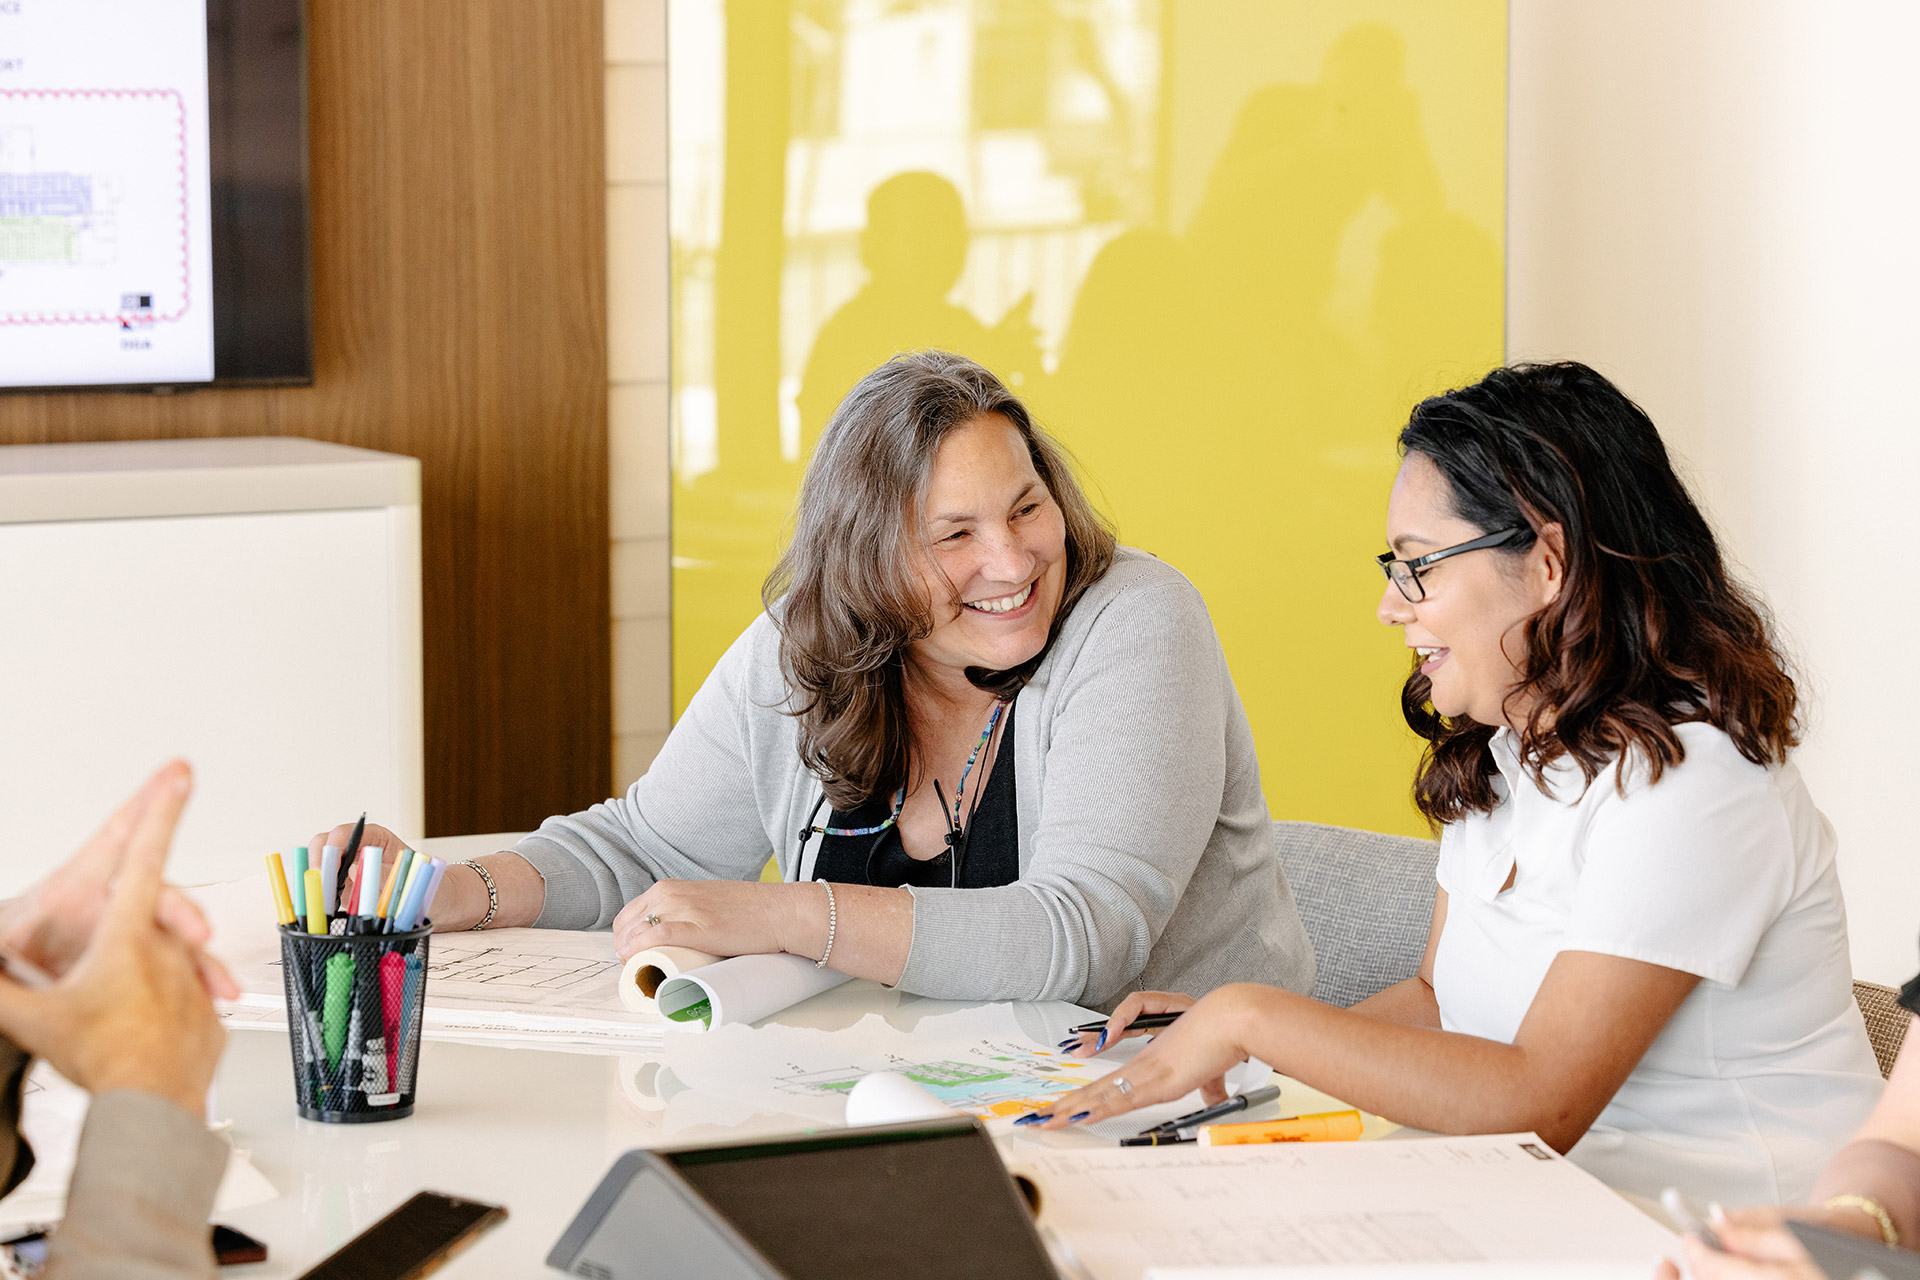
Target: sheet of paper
[1417, 1271]
[52, 1113]
[549, 987]
[978, 1061]
[1490, 1199]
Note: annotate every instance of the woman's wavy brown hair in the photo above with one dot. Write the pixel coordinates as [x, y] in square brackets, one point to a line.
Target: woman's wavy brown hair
[847, 593]
[1649, 630]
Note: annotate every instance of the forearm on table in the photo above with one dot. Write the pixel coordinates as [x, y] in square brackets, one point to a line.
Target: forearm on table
[1418, 1076]
[461, 902]
[872, 928]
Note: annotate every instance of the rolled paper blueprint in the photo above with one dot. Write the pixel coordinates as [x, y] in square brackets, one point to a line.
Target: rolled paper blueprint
[887, 1097]
[1326, 1126]
[646, 970]
[743, 989]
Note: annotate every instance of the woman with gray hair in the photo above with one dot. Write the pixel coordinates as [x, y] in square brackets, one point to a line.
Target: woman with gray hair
[952, 615]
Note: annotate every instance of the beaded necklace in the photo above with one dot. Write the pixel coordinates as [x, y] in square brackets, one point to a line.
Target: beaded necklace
[900, 796]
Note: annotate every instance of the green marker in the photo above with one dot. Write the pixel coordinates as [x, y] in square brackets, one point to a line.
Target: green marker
[336, 1007]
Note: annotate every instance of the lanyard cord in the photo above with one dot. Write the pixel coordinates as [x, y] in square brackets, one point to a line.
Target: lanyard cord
[900, 796]
[955, 843]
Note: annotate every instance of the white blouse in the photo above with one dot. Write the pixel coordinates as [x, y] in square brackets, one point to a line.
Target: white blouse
[1723, 869]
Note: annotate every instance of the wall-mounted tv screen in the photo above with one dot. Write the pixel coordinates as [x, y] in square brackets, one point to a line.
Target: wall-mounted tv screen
[153, 194]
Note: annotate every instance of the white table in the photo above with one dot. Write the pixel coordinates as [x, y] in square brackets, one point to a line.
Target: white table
[531, 1129]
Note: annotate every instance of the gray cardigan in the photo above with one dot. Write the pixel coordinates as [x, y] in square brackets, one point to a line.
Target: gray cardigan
[1146, 855]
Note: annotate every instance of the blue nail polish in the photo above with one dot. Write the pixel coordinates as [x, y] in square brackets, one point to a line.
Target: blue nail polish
[1082, 1116]
[1034, 1118]
[1069, 1042]
[1101, 1043]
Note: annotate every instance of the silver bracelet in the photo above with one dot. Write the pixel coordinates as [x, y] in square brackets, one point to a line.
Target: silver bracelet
[833, 922]
[493, 894]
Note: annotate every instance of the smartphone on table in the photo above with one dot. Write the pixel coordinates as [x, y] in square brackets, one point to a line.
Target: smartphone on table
[414, 1240]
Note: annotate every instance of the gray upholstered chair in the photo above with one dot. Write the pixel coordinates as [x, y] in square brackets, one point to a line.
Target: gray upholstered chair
[1366, 900]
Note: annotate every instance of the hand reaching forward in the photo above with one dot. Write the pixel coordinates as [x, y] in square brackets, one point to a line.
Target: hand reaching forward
[50, 924]
[1194, 1053]
[131, 1011]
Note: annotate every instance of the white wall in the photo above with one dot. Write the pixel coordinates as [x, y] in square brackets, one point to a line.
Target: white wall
[1717, 203]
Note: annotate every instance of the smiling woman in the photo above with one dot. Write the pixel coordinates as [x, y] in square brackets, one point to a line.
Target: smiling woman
[1638, 948]
[951, 609]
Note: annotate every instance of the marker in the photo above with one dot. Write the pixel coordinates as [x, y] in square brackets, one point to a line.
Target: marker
[335, 1006]
[297, 882]
[330, 875]
[409, 1002]
[433, 888]
[1325, 1126]
[394, 874]
[316, 916]
[1220, 1111]
[411, 896]
[393, 980]
[277, 881]
[369, 881]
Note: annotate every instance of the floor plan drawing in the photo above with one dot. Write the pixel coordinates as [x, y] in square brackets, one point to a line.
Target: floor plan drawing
[987, 1079]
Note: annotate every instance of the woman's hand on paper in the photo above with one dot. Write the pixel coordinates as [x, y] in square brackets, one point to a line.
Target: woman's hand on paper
[1194, 1053]
[719, 917]
[132, 1011]
[51, 924]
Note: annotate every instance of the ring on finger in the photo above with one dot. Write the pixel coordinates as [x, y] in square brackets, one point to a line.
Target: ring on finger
[653, 922]
[1124, 1085]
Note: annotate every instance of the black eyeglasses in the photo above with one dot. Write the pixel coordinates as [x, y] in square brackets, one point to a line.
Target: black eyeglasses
[1405, 574]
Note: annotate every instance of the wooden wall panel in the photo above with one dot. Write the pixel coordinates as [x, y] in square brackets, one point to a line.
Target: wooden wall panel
[458, 206]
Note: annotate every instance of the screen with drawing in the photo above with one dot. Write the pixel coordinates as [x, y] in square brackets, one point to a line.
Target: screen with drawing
[136, 173]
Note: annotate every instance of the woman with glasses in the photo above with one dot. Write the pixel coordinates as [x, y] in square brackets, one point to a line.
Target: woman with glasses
[995, 756]
[1638, 948]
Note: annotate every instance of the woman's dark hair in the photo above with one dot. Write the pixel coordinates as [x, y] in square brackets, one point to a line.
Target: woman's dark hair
[847, 592]
[1648, 631]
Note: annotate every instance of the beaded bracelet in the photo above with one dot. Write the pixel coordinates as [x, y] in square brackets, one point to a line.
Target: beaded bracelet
[1889, 1234]
[833, 921]
[493, 894]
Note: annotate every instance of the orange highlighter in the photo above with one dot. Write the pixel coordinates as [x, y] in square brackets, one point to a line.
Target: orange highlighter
[1326, 1126]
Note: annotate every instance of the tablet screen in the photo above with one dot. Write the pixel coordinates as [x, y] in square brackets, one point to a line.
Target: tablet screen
[936, 1204]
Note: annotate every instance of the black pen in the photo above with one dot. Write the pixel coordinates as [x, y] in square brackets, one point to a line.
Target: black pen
[353, 848]
[1145, 1022]
[1172, 1130]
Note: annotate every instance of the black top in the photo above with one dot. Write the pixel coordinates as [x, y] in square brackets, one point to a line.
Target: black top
[990, 840]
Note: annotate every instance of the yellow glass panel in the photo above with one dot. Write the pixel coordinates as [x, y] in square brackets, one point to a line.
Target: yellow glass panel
[1221, 246]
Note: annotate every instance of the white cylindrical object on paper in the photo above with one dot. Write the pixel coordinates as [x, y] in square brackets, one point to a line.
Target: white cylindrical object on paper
[742, 989]
[887, 1097]
[646, 970]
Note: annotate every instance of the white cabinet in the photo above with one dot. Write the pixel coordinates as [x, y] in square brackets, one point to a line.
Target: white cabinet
[252, 605]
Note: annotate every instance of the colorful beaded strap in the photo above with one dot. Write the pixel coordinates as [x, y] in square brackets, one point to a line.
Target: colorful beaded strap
[900, 796]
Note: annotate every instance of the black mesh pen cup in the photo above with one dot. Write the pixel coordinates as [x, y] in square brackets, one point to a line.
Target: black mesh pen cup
[355, 1006]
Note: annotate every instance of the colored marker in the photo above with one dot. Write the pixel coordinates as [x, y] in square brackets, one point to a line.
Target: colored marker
[369, 881]
[414, 894]
[433, 887]
[393, 980]
[337, 1003]
[277, 881]
[1325, 1126]
[316, 917]
[330, 875]
[297, 882]
[409, 1005]
[394, 881]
